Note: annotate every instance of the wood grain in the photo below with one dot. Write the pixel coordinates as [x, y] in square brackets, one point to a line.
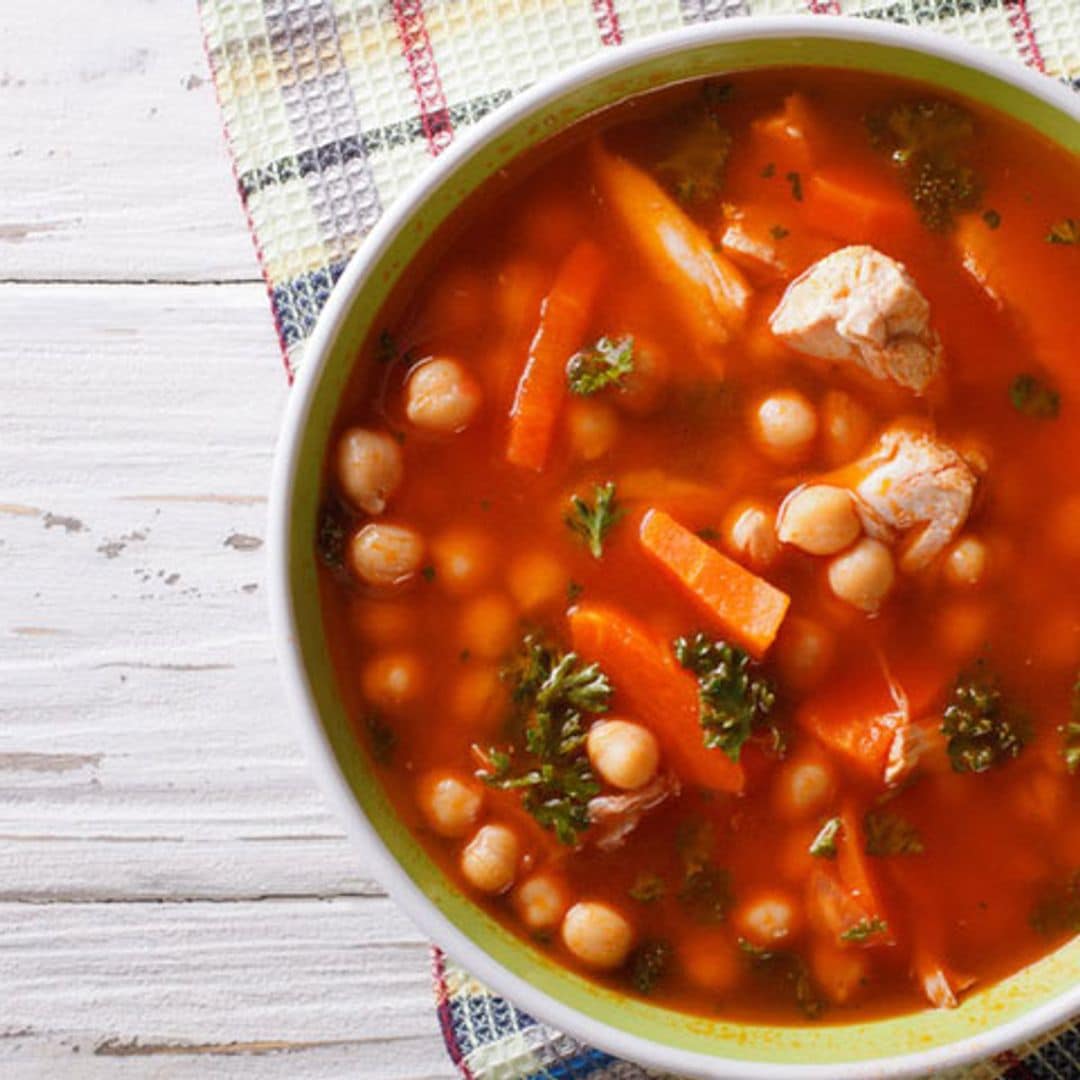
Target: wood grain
[176, 899]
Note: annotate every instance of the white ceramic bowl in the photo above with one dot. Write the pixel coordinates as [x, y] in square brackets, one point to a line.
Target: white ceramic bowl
[996, 1019]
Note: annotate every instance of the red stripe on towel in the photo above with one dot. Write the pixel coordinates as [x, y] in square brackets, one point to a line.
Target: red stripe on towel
[825, 7]
[607, 22]
[424, 72]
[446, 1020]
[1024, 33]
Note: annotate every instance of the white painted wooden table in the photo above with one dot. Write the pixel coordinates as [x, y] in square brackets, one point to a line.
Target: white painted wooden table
[175, 898]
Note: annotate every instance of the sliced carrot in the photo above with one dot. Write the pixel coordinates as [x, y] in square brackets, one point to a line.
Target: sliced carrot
[851, 206]
[860, 717]
[706, 288]
[855, 871]
[655, 690]
[541, 389]
[745, 607]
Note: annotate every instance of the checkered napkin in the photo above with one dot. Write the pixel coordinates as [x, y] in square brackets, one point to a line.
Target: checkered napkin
[331, 107]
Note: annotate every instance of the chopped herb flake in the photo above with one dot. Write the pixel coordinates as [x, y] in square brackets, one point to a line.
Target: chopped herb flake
[648, 888]
[1065, 231]
[865, 929]
[890, 834]
[333, 533]
[428, 573]
[992, 219]
[824, 844]
[733, 703]
[604, 364]
[1032, 397]
[381, 737]
[769, 171]
[649, 964]
[795, 180]
[981, 728]
[706, 894]
[1058, 910]
[778, 232]
[592, 522]
[790, 968]
[553, 692]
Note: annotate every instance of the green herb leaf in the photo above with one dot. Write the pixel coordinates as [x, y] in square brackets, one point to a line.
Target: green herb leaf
[769, 171]
[1065, 231]
[695, 840]
[929, 142]
[332, 535]
[604, 364]
[553, 692]
[1058, 910]
[649, 964]
[733, 703]
[890, 834]
[648, 888]
[694, 166]
[992, 219]
[593, 521]
[865, 929]
[824, 844]
[382, 738]
[790, 968]
[574, 589]
[1032, 397]
[795, 180]
[707, 895]
[982, 730]
[778, 232]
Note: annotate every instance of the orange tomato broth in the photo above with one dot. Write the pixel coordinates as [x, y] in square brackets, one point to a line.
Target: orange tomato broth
[994, 842]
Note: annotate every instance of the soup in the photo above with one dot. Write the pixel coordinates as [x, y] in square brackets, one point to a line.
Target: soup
[699, 548]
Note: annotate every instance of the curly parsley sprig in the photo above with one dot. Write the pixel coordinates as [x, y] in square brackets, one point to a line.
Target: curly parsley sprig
[593, 521]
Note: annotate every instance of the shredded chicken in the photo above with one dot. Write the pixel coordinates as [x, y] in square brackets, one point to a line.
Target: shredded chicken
[912, 483]
[861, 306]
[614, 817]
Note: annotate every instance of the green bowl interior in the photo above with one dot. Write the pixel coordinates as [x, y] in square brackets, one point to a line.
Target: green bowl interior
[1030, 988]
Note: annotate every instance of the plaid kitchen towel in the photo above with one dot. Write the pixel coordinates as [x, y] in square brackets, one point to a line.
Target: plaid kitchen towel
[331, 107]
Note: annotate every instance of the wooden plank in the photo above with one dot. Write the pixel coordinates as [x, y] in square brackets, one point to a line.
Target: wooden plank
[114, 159]
[271, 989]
[145, 750]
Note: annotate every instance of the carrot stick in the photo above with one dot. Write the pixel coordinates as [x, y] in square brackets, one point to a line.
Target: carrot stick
[655, 690]
[542, 387]
[747, 608]
[851, 207]
[707, 289]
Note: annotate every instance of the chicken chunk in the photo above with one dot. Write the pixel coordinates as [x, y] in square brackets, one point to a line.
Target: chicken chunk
[912, 484]
[861, 306]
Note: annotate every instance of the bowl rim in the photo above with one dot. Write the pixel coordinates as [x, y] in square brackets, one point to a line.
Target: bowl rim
[302, 705]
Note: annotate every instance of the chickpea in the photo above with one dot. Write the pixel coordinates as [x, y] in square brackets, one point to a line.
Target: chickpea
[768, 920]
[805, 650]
[450, 803]
[965, 562]
[819, 519]
[750, 535]
[440, 395]
[864, 575]
[369, 468]
[473, 696]
[785, 426]
[626, 755]
[593, 427]
[841, 973]
[803, 789]
[385, 554]
[392, 680]
[535, 579]
[463, 559]
[710, 961]
[845, 427]
[541, 901]
[598, 935]
[488, 626]
[489, 860]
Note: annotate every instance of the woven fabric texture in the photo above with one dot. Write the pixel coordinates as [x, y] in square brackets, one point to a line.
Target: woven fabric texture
[331, 107]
